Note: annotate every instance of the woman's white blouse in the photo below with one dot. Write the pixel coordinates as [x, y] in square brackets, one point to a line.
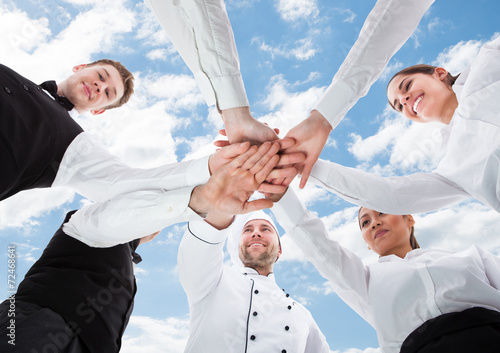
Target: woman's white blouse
[470, 167]
[395, 295]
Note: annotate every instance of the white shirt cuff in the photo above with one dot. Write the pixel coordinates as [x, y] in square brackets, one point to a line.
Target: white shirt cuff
[205, 232]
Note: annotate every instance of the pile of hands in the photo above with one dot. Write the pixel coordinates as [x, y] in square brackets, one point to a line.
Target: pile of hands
[254, 158]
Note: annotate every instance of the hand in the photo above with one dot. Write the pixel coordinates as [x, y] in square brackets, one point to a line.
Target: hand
[226, 155]
[148, 238]
[241, 126]
[310, 137]
[229, 188]
[275, 197]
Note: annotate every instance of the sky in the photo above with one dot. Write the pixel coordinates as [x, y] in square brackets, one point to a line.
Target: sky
[289, 51]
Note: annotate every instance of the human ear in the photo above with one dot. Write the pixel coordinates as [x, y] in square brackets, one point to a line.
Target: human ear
[97, 112]
[440, 73]
[410, 220]
[79, 67]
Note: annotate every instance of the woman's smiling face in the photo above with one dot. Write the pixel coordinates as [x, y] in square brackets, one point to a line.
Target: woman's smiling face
[423, 98]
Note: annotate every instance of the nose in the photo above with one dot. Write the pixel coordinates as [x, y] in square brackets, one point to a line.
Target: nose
[99, 86]
[376, 223]
[406, 100]
[256, 234]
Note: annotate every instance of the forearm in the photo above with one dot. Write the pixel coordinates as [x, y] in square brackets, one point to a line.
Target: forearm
[129, 216]
[386, 29]
[416, 193]
[341, 267]
[89, 169]
[201, 32]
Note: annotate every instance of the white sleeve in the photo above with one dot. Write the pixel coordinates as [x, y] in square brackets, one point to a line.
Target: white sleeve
[491, 267]
[316, 341]
[129, 216]
[345, 271]
[201, 32]
[200, 259]
[416, 193]
[386, 29]
[88, 168]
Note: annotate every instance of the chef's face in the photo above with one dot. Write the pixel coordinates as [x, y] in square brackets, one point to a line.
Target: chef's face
[259, 244]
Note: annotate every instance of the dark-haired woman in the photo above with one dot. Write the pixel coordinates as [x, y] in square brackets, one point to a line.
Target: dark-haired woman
[468, 105]
[425, 301]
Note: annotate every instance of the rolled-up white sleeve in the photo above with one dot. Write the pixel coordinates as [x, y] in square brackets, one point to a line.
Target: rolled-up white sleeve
[386, 29]
[130, 216]
[202, 34]
[200, 259]
[345, 271]
[88, 168]
[416, 193]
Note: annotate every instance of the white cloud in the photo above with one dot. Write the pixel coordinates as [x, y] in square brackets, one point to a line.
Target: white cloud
[155, 336]
[355, 350]
[459, 56]
[27, 41]
[349, 15]
[289, 108]
[390, 70]
[293, 10]
[23, 209]
[303, 50]
[409, 146]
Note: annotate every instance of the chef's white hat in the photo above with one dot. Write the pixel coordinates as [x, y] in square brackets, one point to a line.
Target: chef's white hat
[233, 239]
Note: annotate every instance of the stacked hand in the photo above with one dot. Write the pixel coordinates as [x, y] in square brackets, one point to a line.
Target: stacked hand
[231, 185]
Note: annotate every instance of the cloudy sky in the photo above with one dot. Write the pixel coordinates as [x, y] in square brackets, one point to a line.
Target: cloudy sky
[289, 51]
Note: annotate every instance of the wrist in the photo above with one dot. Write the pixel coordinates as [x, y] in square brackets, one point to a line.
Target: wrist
[237, 113]
[318, 118]
[198, 202]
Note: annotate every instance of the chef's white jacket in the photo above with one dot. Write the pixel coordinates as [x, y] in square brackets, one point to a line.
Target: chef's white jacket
[234, 309]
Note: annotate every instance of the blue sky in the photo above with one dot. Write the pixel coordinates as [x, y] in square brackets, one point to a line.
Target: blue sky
[289, 51]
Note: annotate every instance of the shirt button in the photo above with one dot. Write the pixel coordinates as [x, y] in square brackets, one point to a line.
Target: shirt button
[7, 89]
[287, 295]
[26, 88]
[287, 328]
[283, 351]
[289, 307]
[254, 313]
[252, 337]
[256, 291]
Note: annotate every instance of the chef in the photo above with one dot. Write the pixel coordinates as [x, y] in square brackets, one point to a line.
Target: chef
[240, 308]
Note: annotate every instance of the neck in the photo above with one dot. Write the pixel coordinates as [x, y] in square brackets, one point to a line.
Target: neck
[399, 252]
[449, 109]
[262, 270]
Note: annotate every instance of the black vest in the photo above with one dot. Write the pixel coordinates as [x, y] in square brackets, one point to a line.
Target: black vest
[93, 289]
[35, 131]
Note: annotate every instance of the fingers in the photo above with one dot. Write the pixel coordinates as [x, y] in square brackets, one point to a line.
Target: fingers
[286, 142]
[266, 169]
[282, 173]
[235, 150]
[267, 188]
[292, 158]
[242, 158]
[221, 143]
[256, 205]
[223, 132]
[305, 174]
[256, 162]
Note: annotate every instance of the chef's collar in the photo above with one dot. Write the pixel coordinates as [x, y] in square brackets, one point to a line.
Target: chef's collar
[248, 271]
